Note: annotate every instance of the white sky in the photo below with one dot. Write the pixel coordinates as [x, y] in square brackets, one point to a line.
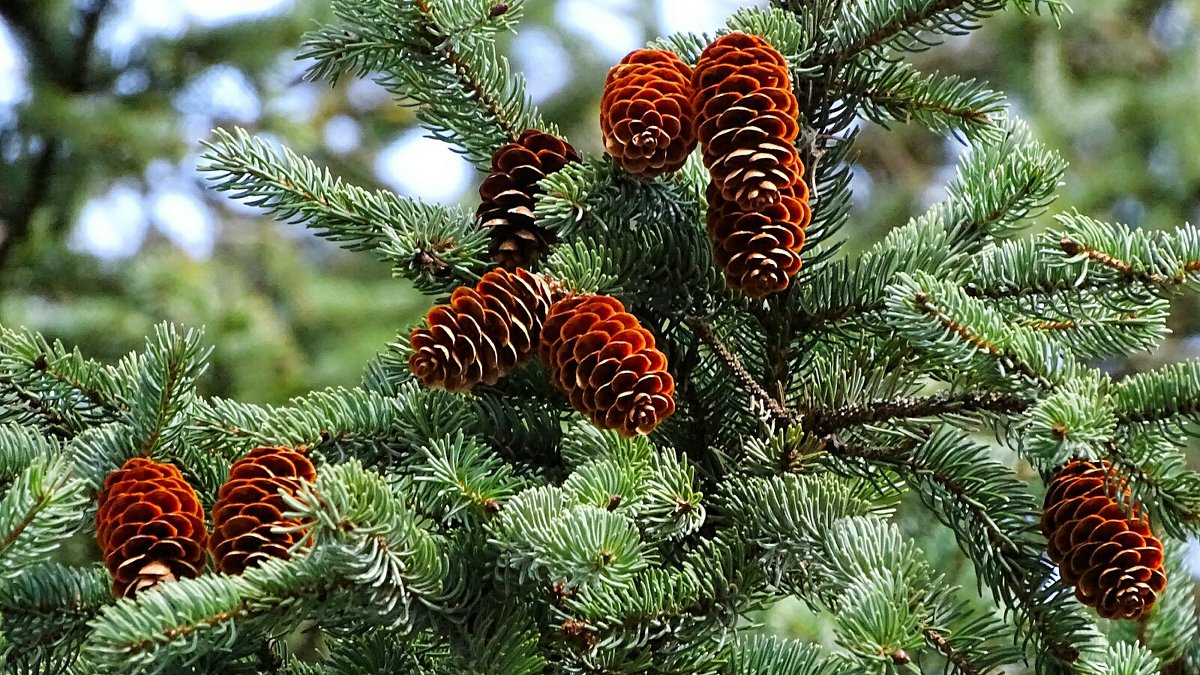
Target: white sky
[114, 223]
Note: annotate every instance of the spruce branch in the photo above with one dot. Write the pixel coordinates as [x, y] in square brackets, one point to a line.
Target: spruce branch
[437, 247]
[967, 323]
[374, 540]
[20, 446]
[165, 387]
[1165, 397]
[952, 655]
[419, 52]
[649, 235]
[910, 25]
[1125, 269]
[1007, 179]
[992, 514]
[942, 104]
[338, 422]
[821, 422]
[55, 386]
[191, 619]
[45, 612]
[1155, 262]
[43, 506]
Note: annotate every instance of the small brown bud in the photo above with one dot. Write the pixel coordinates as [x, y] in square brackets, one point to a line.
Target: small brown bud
[1069, 246]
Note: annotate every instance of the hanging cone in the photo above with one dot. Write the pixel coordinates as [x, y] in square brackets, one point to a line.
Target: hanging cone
[483, 334]
[150, 526]
[1113, 560]
[759, 251]
[746, 116]
[646, 114]
[509, 193]
[606, 363]
[249, 509]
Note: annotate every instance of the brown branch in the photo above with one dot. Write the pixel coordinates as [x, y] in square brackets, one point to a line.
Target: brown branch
[1126, 269]
[952, 655]
[886, 97]
[979, 342]
[828, 420]
[58, 425]
[735, 367]
[808, 321]
[42, 501]
[475, 88]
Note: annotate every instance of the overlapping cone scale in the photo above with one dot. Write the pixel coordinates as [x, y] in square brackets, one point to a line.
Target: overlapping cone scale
[150, 526]
[646, 114]
[483, 333]
[746, 120]
[1106, 551]
[248, 514]
[607, 364]
[509, 193]
[759, 250]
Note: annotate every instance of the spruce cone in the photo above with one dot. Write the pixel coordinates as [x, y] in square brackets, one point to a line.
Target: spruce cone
[646, 113]
[509, 192]
[759, 250]
[1114, 561]
[249, 508]
[746, 120]
[603, 359]
[150, 526]
[483, 333]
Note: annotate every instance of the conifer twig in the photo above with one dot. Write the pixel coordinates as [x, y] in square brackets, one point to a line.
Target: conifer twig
[1014, 574]
[980, 342]
[734, 365]
[827, 420]
[952, 655]
[1127, 270]
[889, 30]
[474, 87]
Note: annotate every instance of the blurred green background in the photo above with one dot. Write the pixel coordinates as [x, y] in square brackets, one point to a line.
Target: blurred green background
[106, 226]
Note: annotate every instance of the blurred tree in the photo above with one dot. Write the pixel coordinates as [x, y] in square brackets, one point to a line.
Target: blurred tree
[109, 123]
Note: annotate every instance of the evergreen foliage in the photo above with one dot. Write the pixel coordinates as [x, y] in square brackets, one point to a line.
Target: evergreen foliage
[498, 532]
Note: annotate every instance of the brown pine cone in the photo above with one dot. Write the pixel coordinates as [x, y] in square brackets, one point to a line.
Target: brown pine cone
[746, 120]
[646, 114]
[1113, 560]
[759, 250]
[606, 363]
[484, 332]
[150, 526]
[249, 508]
[508, 195]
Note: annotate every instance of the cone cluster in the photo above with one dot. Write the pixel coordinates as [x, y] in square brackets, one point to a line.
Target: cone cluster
[607, 364]
[509, 193]
[646, 114]
[483, 333]
[1107, 553]
[150, 526]
[598, 354]
[150, 523]
[757, 201]
[248, 514]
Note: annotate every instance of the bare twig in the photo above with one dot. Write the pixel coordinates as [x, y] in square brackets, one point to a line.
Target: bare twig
[734, 365]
